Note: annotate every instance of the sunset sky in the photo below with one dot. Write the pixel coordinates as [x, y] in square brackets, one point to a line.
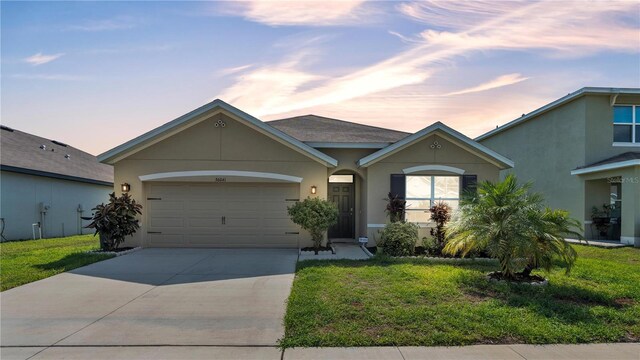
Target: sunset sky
[96, 74]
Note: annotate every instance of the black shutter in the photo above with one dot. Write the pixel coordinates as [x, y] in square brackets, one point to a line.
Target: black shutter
[469, 184]
[398, 185]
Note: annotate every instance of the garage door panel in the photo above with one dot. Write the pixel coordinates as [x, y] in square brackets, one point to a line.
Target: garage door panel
[191, 215]
[166, 222]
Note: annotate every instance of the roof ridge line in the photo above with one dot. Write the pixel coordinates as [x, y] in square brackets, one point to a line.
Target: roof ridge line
[340, 120]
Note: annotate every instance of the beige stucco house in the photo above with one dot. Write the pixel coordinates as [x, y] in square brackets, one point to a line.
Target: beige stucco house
[581, 151]
[218, 176]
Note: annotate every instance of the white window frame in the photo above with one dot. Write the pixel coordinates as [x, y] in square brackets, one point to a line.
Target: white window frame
[433, 197]
[634, 122]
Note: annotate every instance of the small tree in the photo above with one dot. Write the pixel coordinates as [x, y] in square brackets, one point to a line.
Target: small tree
[115, 220]
[395, 207]
[440, 214]
[316, 216]
[510, 223]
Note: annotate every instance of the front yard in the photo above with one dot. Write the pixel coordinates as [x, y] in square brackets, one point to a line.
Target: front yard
[419, 302]
[26, 261]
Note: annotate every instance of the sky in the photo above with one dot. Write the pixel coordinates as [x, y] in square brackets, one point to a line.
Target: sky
[96, 74]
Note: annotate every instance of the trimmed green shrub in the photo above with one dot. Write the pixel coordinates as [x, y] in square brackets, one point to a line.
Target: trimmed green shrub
[316, 216]
[399, 238]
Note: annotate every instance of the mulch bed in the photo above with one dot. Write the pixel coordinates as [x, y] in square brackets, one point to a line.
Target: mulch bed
[518, 278]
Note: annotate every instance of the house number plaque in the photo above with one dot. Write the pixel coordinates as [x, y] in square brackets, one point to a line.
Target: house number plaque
[221, 179]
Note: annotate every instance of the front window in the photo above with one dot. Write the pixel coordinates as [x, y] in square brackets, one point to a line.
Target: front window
[626, 124]
[422, 192]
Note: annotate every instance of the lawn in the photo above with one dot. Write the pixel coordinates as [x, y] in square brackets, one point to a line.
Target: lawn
[26, 261]
[421, 302]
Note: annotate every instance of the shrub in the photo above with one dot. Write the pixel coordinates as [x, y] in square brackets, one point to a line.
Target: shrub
[399, 238]
[510, 223]
[115, 220]
[316, 216]
[440, 214]
[395, 207]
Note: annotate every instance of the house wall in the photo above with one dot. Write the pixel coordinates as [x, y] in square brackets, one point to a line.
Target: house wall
[21, 195]
[204, 146]
[417, 154]
[545, 150]
[599, 127]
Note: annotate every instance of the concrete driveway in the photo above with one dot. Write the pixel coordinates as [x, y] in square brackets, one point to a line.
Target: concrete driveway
[222, 297]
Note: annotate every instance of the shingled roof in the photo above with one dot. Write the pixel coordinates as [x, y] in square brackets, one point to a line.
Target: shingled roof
[631, 155]
[26, 153]
[313, 128]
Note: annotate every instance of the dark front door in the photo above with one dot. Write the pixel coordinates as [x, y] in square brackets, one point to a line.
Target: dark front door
[343, 196]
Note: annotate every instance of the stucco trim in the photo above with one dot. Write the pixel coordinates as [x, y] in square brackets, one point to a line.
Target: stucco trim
[159, 133]
[450, 169]
[552, 105]
[472, 146]
[376, 225]
[604, 167]
[237, 173]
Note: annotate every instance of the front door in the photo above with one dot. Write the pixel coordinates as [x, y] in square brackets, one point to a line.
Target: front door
[342, 194]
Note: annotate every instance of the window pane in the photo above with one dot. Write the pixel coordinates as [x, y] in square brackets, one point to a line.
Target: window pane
[418, 216]
[622, 115]
[418, 204]
[447, 187]
[418, 187]
[637, 133]
[622, 133]
[341, 178]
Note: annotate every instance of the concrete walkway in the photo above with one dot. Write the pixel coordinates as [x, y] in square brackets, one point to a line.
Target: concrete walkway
[343, 251]
[624, 351]
[599, 243]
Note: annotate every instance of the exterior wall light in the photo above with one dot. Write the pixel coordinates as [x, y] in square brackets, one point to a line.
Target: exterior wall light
[125, 187]
[314, 189]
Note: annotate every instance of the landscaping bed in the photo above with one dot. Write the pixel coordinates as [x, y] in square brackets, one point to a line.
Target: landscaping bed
[417, 302]
[22, 262]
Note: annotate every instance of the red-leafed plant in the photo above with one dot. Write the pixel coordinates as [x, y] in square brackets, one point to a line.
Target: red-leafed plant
[440, 214]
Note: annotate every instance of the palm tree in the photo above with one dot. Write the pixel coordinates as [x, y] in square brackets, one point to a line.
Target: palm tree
[510, 223]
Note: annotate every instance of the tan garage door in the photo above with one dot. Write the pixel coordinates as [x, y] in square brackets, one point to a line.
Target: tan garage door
[220, 215]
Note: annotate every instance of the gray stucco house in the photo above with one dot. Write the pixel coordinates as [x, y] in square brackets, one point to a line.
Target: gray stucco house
[581, 151]
[46, 186]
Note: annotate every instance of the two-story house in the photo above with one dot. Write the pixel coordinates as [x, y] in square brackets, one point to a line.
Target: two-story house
[581, 151]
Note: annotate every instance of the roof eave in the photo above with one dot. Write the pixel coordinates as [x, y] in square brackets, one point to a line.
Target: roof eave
[109, 156]
[552, 105]
[606, 167]
[499, 160]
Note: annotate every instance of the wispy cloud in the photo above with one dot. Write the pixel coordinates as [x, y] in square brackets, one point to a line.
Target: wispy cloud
[498, 82]
[304, 12]
[476, 28]
[40, 58]
[116, 23]
[233, 70]
[59, 77]
[132, 49]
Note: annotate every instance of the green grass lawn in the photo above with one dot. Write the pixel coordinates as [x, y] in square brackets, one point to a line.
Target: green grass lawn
[22, 262]
[418, 302]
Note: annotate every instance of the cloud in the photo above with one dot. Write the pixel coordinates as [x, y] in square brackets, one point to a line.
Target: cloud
[117, 23]
[61, 77]
[291, 13]
[233, 70]
[498, 82]
[542, 28]
[40, 58]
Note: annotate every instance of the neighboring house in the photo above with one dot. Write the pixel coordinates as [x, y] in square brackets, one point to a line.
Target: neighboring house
[46, 186]
[220, 177]
[581, 151]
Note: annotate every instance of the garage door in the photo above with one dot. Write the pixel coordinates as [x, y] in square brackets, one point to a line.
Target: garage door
[220, 215]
